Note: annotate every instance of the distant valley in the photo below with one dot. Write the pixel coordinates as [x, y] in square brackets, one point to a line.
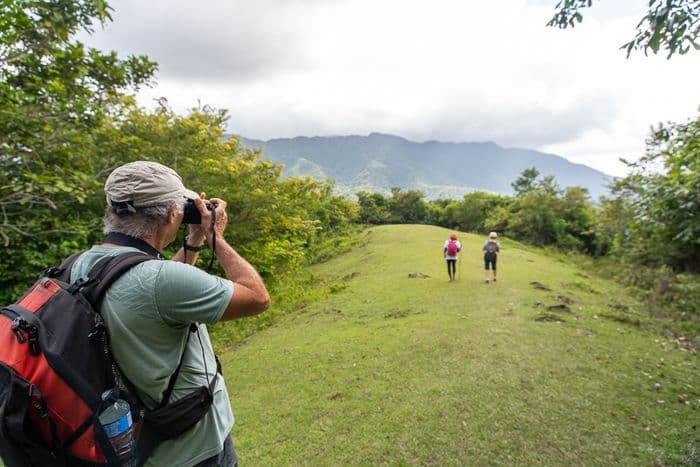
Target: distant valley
[378, 162]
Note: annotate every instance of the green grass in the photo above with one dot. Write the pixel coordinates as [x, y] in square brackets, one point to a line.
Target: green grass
[375, 368]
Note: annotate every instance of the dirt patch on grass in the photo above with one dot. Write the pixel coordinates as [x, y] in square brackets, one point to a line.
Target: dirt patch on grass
[549, 318]
[565, 299]
[619, 306]
[625, 318]
[351, 276]
[417, 275]
[561, 308]
[337, 288]
[327, 312]
[582, 286]
[396, 313]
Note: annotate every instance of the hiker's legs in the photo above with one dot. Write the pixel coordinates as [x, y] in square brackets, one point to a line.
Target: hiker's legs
[490, 263]
[451, 267]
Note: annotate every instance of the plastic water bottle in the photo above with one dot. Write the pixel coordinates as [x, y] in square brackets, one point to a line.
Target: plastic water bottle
[117, 423]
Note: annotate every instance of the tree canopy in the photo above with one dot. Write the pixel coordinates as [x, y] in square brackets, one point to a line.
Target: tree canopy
[54, 92]
[670, 25]
[68, 117]
[663, 195]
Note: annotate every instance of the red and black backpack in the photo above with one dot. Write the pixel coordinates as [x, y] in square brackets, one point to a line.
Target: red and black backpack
[55, 364]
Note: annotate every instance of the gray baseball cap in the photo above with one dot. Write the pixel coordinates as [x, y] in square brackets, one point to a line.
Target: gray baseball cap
[144, 183]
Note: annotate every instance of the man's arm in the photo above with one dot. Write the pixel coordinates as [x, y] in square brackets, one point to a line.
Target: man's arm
[250, 295]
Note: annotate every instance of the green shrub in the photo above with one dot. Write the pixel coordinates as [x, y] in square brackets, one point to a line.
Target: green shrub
[672, 297]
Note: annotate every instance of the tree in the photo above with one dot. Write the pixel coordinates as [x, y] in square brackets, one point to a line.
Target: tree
[672, 25]
[664, 194]
[54, 93]
[579, 214]
[526, 181]
[472, 212]
[544, 214]
[535, 218]
[408, 207]
[612, 226]
[374, 208]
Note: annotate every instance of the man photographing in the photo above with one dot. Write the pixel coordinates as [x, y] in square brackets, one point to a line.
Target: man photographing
[157, 312]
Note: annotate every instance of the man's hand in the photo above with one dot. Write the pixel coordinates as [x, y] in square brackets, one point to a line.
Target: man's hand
[220, 222]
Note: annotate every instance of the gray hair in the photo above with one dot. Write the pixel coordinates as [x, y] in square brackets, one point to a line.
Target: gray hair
[142, 223]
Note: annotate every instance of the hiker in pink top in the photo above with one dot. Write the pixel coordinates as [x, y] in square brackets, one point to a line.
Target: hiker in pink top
[451, 251]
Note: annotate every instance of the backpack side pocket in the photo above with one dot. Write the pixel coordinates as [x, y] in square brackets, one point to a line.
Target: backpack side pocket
[21, 443]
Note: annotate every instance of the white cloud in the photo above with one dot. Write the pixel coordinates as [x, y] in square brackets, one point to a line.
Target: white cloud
[447, 69]
[208, 41]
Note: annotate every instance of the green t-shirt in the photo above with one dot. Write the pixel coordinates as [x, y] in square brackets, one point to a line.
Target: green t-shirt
[148, 312]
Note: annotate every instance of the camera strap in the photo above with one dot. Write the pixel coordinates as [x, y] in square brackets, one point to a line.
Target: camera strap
[213, 239]
[118, 238]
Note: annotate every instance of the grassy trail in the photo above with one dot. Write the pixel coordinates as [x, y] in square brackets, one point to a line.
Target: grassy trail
[388, 370]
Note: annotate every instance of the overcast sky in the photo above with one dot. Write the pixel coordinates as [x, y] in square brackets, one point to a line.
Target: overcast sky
[449, 70]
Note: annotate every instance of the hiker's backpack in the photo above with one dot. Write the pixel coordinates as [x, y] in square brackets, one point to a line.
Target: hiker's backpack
[452, 248]
[491, 249]
[55, 364]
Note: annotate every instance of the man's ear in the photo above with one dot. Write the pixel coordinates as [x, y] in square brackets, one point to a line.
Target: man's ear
[172, 213]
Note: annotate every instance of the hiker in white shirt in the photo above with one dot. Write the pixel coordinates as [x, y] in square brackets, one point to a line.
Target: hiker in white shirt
[491, 248]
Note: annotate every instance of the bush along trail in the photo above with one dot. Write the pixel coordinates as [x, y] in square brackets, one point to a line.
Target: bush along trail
[549, 366]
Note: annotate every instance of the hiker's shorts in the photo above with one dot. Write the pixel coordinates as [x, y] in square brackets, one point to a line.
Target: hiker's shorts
[226, 458]
[490, 259]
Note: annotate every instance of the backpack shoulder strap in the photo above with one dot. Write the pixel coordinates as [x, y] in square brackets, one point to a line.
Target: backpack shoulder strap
[62, 271]
[106, 271]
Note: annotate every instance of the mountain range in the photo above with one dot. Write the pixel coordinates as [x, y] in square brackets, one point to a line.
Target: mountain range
[378, 162]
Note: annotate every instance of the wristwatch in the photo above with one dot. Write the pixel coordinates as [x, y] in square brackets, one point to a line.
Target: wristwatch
[189, 247]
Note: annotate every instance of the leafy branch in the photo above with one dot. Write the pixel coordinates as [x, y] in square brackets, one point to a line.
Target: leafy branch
[672, 25]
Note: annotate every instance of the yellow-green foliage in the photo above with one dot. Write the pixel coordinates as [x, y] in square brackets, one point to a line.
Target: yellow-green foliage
[278, 225]
[274, 223]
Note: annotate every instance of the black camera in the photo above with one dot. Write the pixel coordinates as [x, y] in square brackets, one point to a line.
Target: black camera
[192, 214]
